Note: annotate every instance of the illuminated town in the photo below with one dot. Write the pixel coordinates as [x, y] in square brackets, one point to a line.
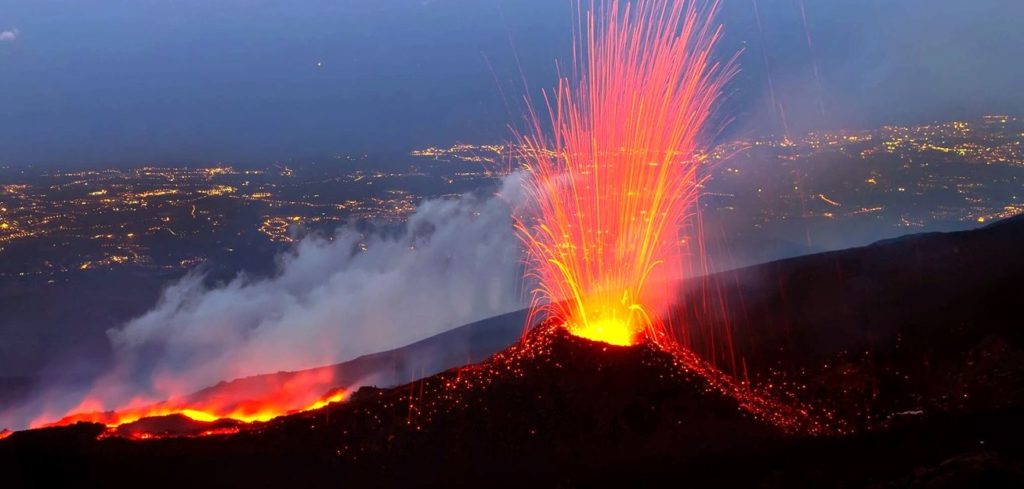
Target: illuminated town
[773, 197]
[54, 222]
[803, 189]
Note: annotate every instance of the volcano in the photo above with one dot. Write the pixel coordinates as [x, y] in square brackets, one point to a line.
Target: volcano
[912, 342]
[550, 406]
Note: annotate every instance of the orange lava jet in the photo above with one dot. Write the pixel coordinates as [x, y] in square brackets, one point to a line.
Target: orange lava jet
[615, 177]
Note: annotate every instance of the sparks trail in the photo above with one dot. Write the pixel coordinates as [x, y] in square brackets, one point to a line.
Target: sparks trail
[775, 106]
[616, 180]
[814, 59]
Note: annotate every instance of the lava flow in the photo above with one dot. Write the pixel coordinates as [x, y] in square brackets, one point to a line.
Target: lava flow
[249, 400]
[616, 181]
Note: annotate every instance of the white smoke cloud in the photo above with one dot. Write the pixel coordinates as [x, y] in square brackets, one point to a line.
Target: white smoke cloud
[455, 261]
[10, 35]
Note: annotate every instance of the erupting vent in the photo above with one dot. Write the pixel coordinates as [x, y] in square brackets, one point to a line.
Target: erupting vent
[613, 173]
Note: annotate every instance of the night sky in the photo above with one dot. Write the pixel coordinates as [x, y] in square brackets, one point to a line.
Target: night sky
[200, 81]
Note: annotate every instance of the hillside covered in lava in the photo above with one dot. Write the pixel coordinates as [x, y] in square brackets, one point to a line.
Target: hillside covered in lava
[899, 364]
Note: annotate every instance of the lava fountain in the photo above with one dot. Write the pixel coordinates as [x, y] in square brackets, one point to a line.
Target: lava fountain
[613, 168]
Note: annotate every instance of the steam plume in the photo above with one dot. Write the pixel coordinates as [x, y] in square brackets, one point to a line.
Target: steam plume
[332, 299]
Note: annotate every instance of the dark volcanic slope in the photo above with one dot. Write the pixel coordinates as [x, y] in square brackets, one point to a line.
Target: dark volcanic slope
[552, 407]
[552, 411]
[952, 287]
[921, 323]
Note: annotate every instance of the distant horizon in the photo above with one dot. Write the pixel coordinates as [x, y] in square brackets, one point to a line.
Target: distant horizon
[405, 152]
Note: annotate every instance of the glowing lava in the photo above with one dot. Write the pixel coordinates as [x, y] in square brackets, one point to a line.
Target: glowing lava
[249, 400]
[610, 330]
[247, 412]
[614, 171]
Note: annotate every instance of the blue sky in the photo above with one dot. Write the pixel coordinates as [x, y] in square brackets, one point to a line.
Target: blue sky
[198, 81]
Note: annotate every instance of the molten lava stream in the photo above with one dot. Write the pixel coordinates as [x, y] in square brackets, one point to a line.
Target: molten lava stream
[250, 400]
[247, 412]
